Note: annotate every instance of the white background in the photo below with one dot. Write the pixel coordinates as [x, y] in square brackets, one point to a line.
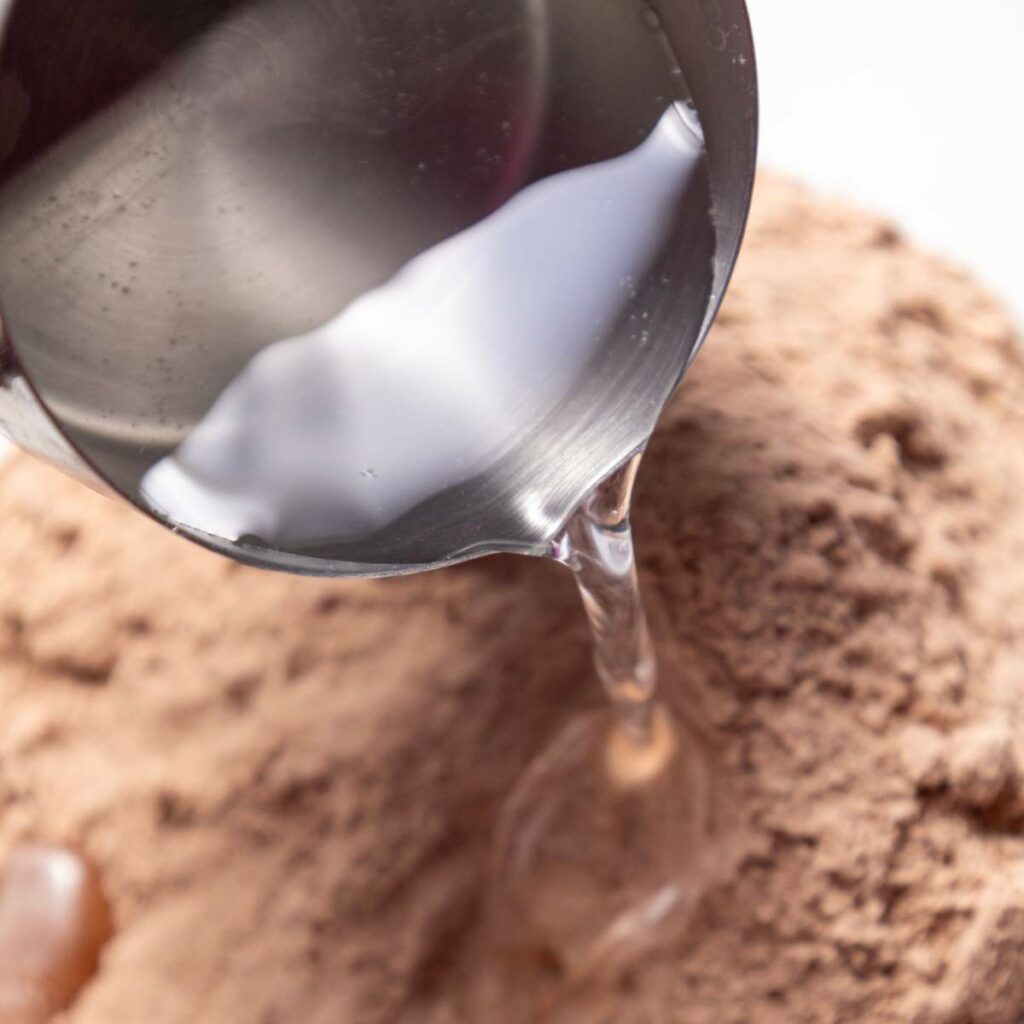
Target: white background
[914, 107]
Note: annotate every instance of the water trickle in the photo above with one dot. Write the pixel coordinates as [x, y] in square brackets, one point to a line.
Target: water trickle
[597, 545]
[602, 847]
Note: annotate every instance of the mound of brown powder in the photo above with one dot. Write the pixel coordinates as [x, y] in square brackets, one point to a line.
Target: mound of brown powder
[290, 785]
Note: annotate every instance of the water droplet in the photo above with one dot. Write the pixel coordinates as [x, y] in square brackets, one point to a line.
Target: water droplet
[54, 923]
[717, 38]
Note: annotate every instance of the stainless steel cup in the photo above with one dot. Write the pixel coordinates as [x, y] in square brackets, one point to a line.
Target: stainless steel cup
[184, 185]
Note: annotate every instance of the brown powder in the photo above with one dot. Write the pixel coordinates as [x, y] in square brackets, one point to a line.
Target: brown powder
[290, 785]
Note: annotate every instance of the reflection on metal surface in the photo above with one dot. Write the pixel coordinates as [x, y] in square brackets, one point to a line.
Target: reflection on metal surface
[424, 383]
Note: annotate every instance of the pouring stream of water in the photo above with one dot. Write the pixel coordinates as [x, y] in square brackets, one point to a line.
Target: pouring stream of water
[597, 545]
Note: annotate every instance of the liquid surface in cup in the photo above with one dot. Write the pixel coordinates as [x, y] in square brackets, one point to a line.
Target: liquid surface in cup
[420, 385]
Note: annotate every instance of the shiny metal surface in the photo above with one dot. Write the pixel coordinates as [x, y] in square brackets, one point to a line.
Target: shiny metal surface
[182, 186]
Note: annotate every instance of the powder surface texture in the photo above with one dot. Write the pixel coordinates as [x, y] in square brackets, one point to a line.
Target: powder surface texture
[290, 785]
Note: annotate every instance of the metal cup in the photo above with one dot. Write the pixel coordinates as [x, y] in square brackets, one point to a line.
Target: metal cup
[184, 186]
